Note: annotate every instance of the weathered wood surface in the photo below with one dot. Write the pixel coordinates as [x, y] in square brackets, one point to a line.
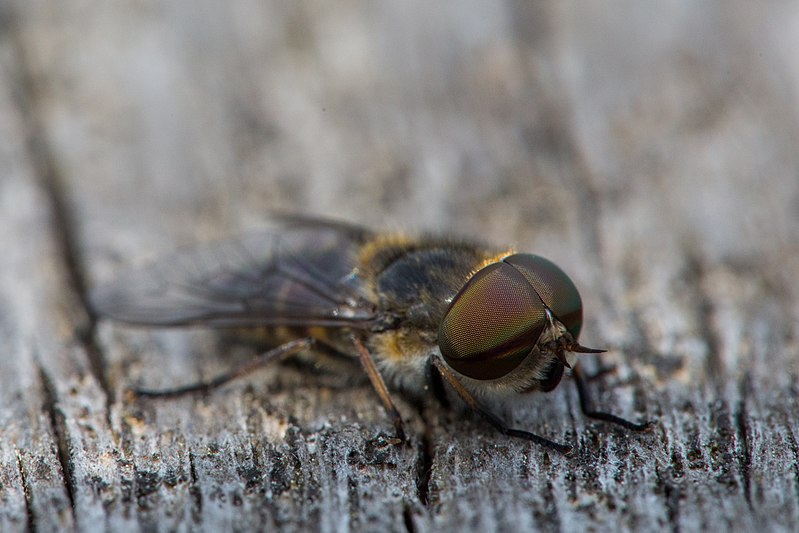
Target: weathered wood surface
[653, 152]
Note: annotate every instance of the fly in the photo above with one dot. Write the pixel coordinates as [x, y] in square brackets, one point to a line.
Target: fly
[411, 310]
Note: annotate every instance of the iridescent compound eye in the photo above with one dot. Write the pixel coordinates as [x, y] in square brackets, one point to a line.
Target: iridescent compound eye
[554, 287]
[497, 318]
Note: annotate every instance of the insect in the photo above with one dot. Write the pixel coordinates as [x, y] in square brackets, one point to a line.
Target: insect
[412, 310]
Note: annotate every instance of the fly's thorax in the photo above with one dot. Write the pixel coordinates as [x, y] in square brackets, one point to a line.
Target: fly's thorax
[415, 279]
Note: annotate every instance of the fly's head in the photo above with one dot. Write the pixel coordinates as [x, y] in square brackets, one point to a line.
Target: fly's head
[517, 319]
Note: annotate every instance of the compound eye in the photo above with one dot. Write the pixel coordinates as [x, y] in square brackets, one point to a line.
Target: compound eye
[554, 287]
[492, 324]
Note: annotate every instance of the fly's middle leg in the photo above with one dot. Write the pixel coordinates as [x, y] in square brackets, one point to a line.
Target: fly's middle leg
[379, 385]
[450, 377]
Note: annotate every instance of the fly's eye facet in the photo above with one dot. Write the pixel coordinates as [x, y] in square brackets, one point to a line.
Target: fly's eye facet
[492, 324]
[496, 319]
[554, 288]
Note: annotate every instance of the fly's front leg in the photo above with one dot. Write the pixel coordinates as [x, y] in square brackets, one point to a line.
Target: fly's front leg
[275, 354]
[587, 405]
[493, 419]
[379, 385]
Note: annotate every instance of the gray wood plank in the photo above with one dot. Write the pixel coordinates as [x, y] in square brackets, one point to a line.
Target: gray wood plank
[651, 153]
[34, 293]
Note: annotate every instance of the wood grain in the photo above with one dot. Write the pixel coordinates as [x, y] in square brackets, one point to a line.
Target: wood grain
[652, 152]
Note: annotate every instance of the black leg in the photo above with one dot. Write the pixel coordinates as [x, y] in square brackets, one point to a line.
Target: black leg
[284, 350]
[587, 405]
[493, 419]
[436, 385]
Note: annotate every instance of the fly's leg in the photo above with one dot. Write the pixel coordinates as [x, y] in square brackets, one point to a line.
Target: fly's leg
[493, 419]
[275, 354]
[587, 405]
[436, 384]
[379, 385]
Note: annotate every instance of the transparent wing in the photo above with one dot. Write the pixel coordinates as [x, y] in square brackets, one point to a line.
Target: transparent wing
[300, 274]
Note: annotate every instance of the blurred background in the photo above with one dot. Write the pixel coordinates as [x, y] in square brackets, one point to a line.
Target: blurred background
[522, 122]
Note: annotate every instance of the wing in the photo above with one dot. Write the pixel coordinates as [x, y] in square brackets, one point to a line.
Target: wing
[301, 274]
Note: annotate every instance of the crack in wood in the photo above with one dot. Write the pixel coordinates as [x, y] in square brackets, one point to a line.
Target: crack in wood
[58, 427]
[696, 273]
[353, 503]
[671, 493]
[407, 518]
[26, 489]
[195, 491]
[672, 489]
[46, 170]
[549, 518]
[425, 458]
[795, 465]
[745, 455]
